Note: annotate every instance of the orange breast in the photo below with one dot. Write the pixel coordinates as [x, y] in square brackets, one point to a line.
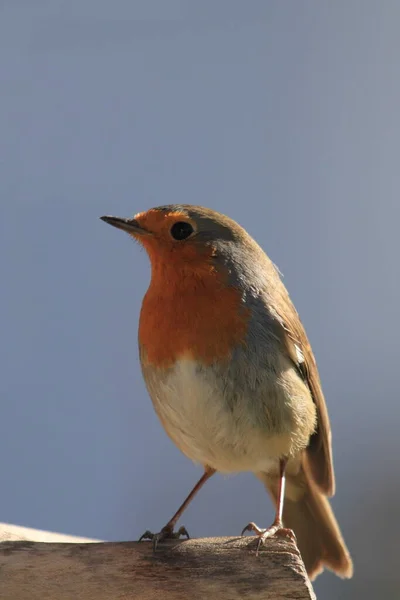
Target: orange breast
[190, 314]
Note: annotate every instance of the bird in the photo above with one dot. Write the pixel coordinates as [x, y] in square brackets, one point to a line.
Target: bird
[232, 376]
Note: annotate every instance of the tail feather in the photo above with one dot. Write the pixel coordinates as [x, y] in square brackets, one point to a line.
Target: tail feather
[309, 514]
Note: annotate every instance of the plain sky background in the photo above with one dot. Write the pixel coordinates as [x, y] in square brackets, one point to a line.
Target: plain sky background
[282, 114]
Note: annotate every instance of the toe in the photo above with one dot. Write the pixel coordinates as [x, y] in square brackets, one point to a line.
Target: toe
[252, 527]
[166, 533]
[182, 531]
[288, 533]
[147, 535]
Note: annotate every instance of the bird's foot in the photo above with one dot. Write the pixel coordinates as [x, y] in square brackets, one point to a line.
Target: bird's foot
[166, 533]
[264, 534]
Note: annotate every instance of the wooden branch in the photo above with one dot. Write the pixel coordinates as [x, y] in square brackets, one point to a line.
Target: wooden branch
[210, 568]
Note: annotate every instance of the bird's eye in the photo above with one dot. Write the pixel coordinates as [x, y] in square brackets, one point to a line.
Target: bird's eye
[181, 230]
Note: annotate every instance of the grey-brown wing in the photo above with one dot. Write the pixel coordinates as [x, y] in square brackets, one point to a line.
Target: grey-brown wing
[318, 456]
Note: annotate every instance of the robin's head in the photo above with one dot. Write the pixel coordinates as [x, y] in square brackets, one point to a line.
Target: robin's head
[183, 235]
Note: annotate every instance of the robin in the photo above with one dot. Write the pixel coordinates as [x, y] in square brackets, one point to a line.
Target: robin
[232, 375]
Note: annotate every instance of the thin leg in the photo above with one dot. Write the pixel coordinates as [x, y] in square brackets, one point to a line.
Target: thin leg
[172, 522]
[168, 530]
[277, 526]
[281, 493]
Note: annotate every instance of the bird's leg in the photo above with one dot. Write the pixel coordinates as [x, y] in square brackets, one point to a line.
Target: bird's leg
[277, 527]
[167, 532]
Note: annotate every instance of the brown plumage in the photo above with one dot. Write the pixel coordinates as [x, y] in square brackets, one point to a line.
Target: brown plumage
[231, 373]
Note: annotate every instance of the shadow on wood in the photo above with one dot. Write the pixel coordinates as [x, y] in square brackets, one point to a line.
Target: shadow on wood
[225, 568]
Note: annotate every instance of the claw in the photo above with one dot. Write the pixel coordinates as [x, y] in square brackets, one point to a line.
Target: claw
[264, 534]
[147, 535]
[165, 534]
[182, 531]
[252, 527]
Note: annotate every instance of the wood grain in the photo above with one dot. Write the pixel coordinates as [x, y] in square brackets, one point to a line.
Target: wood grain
[225, 568]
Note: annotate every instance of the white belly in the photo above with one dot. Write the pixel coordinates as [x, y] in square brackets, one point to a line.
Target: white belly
[194, 408]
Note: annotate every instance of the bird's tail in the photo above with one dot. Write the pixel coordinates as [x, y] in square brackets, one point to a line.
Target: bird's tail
[309, 514]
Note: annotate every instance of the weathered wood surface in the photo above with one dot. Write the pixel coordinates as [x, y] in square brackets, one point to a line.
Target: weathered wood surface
[220, 568]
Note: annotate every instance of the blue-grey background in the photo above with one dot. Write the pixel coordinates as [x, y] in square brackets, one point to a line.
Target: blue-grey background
[283, 114]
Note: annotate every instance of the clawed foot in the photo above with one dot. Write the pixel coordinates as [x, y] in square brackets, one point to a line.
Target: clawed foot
[263, 534]
[166, 533]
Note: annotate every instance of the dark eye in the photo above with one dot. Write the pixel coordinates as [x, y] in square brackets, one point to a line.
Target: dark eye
[181, 230]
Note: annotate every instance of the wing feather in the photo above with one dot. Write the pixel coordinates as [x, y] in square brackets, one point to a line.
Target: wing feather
[318, 456]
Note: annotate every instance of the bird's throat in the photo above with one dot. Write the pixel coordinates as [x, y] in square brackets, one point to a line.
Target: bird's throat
[192, 315]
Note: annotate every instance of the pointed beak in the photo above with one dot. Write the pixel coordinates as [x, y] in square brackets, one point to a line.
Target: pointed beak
[129, 225]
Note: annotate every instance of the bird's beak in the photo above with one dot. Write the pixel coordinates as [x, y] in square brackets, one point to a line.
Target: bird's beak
[129, 225]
